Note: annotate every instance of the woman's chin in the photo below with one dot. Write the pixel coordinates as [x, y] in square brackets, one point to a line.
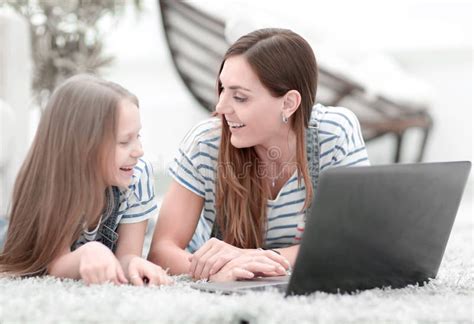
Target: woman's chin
[239, 143]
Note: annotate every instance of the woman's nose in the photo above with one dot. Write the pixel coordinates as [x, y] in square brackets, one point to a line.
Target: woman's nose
[223, 107]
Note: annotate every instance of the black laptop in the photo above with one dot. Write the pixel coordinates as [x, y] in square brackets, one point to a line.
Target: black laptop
[376, 226]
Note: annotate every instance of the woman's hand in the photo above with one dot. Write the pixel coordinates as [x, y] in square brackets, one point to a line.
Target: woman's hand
[141, 271]
[97, 265]
[248, 266]
[211, 257]
[215, 254]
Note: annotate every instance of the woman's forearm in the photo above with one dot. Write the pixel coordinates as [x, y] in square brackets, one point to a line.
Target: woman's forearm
[170, 256]
[290, 253]
[177, 222]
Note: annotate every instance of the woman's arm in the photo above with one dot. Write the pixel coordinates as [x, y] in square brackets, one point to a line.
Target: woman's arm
[177, 222]
[129, 251]
[289, 253]
[179, 215]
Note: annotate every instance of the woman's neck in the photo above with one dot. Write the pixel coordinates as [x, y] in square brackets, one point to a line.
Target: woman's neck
[278, 151]
[278, 160]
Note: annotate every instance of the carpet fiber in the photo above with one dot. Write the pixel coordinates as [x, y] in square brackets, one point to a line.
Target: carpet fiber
[448, 298]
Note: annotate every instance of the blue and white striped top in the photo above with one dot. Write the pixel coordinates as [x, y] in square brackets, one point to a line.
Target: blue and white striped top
[341, 144]
[137, 202]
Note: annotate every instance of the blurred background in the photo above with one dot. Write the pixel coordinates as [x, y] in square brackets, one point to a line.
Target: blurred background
[405, 67]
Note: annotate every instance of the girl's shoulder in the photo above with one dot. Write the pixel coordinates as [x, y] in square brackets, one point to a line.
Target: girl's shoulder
[142, 169]
[142, 178]
[138, 201]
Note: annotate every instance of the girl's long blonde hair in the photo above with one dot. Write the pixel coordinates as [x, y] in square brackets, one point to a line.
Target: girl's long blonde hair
[61, 185]
[283, 61]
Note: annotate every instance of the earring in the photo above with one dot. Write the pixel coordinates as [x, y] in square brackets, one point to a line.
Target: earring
[284, 118]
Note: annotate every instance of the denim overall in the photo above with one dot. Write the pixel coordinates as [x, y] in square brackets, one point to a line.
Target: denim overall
[312, 153]
[3, 231]
[106, 233]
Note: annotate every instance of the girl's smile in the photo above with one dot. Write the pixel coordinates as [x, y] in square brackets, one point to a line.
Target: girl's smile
[129, 148]
[127, 171]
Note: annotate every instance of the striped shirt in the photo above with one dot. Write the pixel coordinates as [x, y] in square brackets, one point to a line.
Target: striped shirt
[137, 202]
[195, 166]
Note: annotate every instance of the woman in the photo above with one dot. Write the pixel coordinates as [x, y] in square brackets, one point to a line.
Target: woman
[244, 180]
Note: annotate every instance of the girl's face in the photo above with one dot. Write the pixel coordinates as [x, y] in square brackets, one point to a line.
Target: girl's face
[253, 115]
[128, 147]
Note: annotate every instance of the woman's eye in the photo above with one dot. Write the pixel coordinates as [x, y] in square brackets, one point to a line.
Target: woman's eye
[123, 143]
[240, 99]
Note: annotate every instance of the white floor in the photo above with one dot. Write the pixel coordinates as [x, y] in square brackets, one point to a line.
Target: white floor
[447, 299]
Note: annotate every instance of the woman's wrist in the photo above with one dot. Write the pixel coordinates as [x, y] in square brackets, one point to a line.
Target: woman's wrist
[273, 250]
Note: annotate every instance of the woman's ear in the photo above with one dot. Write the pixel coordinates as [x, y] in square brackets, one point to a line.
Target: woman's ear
[291, 102]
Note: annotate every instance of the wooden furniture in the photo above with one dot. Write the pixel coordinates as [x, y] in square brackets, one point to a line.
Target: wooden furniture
[197, 43]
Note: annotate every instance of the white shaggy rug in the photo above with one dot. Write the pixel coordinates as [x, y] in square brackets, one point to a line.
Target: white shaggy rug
[448, 298]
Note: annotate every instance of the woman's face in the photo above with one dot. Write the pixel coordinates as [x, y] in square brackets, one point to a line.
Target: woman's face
[253, 115]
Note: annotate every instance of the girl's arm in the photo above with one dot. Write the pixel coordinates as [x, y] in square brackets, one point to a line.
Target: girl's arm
[129, 251]
[93, 262]
[179, 215]
[67, 264]
[130, 242]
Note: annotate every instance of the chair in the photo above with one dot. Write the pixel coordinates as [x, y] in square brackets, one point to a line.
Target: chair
[197, 43]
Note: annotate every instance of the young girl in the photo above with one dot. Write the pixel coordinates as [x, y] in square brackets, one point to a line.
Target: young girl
[83, 195]
[248, 176]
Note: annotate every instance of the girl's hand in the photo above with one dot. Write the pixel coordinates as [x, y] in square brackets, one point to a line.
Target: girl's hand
[249, 266]
[141, 271]
[215, 254]
[97, 265]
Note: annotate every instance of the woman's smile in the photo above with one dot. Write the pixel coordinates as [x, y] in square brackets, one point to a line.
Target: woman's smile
[235, 127]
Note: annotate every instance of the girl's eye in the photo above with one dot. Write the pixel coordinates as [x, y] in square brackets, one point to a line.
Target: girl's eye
[123, 143]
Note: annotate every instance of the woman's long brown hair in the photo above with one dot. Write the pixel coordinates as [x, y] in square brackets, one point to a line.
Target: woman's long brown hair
[61, 185]
[283, 61]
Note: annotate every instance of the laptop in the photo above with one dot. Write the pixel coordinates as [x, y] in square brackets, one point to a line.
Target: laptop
[376, 226]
